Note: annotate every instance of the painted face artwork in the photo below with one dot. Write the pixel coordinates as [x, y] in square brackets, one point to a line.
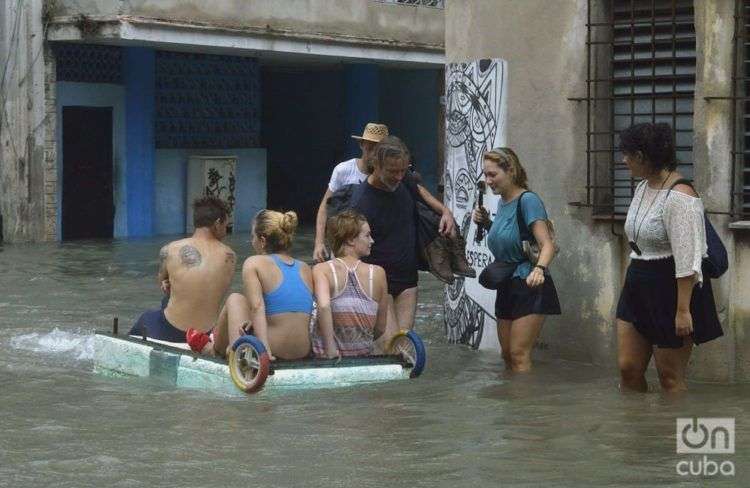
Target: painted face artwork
[471, 122]
[476, 107]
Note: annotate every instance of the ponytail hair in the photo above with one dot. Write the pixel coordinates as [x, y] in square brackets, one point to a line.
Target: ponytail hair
[277, 228]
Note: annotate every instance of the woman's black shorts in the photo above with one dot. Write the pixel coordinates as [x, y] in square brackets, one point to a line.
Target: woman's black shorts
[515, 299]
[649, 301]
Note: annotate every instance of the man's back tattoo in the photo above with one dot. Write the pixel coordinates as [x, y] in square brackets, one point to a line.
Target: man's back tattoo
[190, 256]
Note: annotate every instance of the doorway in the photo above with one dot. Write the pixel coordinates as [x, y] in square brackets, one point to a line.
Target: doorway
[87, 200]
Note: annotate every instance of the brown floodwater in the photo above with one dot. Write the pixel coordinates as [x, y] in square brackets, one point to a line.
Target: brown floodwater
[464, 422]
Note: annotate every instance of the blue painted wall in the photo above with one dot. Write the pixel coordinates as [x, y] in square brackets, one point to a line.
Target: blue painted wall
[409, 105]
[149, 190]
[139, 78]
[170, 183]
[97, 95]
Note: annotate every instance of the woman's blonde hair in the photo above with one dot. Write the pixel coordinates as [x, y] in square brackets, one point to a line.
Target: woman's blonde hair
[507, 159]
[342, 228]
[277, 228]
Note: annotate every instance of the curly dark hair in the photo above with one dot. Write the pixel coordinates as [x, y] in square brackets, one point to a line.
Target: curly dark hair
[209, 209]
[654, 141]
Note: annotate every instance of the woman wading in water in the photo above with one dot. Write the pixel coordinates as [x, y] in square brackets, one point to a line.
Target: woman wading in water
[666, 300]
[528, 295]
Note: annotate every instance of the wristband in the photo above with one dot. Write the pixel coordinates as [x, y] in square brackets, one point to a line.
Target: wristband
[543, 268]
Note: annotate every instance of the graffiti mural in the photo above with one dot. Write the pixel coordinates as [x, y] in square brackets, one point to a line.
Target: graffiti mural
[476, 105]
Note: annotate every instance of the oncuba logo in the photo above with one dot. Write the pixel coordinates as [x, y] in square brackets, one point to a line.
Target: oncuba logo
[702, 435]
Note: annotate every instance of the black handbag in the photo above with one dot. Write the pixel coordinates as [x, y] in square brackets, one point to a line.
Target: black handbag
[495, 274]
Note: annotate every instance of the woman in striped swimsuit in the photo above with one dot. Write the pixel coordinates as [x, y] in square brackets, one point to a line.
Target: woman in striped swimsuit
[351, 295]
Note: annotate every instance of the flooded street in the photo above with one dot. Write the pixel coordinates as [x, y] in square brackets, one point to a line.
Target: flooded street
[464, 422]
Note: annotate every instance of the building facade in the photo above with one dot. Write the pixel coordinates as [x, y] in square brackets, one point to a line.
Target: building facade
[579, 73]
[117, 114]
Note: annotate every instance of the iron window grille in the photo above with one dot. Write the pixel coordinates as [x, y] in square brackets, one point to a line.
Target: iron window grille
[740, 203]
[640, 68]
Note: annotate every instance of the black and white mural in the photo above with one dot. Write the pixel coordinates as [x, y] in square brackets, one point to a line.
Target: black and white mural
[476, 106]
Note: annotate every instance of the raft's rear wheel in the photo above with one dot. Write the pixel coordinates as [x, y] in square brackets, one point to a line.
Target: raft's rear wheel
[410, 347]
[249, 363]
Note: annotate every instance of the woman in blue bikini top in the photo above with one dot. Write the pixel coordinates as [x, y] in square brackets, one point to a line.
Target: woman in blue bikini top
[278, 287]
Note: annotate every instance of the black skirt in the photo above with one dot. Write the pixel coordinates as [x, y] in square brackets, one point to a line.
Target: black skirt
[515, 299]
[649, 301]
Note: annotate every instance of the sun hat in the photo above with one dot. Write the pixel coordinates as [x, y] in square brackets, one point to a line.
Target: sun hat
[373, 132]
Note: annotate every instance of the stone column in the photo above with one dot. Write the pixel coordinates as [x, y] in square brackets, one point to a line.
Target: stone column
[712, 146]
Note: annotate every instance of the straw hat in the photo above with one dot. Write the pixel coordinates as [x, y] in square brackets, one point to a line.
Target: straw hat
[373, 132]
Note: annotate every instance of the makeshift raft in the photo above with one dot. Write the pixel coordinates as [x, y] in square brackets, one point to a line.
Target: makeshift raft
[248, 367]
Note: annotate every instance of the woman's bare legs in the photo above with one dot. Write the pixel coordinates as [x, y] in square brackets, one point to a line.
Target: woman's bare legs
[524, 332]
[633, 355]
[503, 334]
[672, 366]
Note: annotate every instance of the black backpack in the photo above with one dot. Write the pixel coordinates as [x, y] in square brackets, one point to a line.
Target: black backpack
[717, 262]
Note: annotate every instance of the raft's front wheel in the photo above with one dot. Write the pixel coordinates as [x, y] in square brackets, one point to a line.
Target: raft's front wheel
[410, 347]
[249, 363]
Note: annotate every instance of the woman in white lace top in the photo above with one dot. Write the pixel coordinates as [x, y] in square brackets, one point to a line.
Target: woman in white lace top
[666, 305]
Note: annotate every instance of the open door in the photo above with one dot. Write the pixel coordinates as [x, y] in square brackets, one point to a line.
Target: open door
[87, 201]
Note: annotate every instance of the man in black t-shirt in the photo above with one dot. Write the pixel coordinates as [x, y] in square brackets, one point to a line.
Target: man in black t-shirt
[388, 203]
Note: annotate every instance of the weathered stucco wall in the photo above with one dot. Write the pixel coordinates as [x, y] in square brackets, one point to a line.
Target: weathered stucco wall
[24, 183]
[712, 146]
[740, 306]
[546, 54]
[345, 19]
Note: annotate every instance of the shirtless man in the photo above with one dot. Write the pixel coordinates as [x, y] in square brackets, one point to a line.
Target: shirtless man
[196, 273]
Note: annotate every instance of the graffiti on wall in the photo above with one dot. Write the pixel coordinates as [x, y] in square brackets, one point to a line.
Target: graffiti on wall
[476, 105]
[212, 176]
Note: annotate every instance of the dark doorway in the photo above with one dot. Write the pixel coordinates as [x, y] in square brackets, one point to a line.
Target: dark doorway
[87, 202]
[303, 130]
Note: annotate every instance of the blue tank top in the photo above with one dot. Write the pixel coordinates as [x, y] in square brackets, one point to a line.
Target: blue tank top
[292, 295]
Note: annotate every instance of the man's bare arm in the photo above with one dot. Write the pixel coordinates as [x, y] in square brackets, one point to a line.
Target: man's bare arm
[433, 202]
[320, 227]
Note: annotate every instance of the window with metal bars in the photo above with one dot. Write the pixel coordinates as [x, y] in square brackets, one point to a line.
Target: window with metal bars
[641, 68]
[741, 91]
